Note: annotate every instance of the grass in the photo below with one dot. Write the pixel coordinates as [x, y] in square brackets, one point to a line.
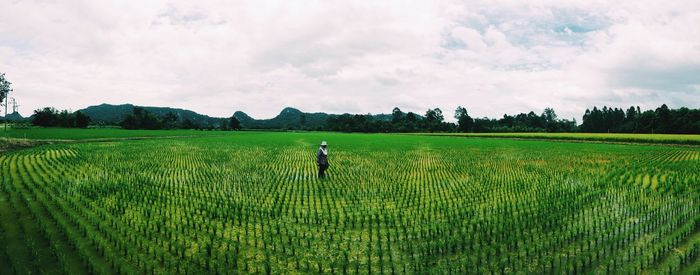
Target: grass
[598, 137]
[249, 202]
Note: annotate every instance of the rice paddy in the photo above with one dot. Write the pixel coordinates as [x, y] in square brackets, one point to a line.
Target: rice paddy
[251, 203]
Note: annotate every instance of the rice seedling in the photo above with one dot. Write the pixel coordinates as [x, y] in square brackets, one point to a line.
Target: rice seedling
[251, 203]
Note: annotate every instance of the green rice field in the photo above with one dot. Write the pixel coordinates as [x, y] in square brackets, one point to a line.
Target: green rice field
[35, 133]
[250, 202]
[591, 137]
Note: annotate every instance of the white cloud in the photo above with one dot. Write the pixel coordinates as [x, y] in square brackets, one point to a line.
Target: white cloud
[216, 57]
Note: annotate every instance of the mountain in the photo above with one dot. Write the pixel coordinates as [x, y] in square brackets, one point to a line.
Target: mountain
[288, 118]
[292, 119]
[115, 114]
[16, 117]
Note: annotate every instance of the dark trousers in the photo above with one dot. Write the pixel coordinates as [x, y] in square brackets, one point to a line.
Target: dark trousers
[322, 170]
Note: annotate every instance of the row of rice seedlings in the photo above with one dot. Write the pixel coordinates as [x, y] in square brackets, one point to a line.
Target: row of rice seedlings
[182, 207]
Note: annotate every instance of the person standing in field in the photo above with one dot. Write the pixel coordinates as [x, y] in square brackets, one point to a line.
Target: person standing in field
[322, 159]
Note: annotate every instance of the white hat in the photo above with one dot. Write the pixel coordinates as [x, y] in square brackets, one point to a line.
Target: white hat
[323, 143]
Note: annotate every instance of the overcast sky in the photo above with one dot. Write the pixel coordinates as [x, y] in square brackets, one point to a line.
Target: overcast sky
[215, 57]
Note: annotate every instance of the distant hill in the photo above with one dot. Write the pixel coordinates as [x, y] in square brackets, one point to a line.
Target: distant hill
[16, 117]
[291, 118]
[114, 114]
[288, 119]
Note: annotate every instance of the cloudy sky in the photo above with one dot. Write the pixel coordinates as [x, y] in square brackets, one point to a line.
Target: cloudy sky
[215, 57]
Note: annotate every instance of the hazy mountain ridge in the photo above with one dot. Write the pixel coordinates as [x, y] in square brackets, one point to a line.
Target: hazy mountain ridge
[14, 117]
[288, 118]
[292, 118]
[115, 114]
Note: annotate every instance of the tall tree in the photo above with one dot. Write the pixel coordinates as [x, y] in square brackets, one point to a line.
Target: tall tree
[550, 116]
[506, 121]
[550, 119]
[434, 115]
[433, 119]
[81, 120]
[4, 87]
[631, 113]
[411, 117]
[46, 117]
[464, 121]
[663, 114]
[396, 115]
[66, 119]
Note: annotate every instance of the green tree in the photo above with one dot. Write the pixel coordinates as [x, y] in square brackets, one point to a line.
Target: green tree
[411, 117]
[663, 115]
[549, 115]
[170, 120]
[4, 87]
[81, 120]
[434, 115]
[142, 119]
[396, 115]
[65, 119]
[46, 117]
[411, 121]
[464, 121]
[434, 119]
[550, 119]
[50, 117]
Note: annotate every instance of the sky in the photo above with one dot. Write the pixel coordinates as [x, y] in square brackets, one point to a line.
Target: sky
[217, 57]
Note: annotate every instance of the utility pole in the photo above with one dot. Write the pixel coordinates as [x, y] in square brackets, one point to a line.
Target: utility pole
[6, 103]
[5, 118]
[14, 105]
[5, 90]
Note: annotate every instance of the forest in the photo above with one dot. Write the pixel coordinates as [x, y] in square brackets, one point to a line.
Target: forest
[662, 120]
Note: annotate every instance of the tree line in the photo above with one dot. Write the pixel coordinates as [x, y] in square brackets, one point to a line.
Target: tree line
[547, 121]
[141, 118]
[605, 120]
[662, 120]
[50, 117]
[434, 121]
